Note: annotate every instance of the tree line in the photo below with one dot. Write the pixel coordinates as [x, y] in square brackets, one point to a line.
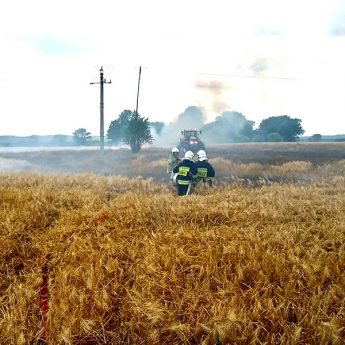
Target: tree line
[132, 129]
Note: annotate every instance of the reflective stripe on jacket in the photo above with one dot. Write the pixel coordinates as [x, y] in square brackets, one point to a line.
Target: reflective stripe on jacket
[205, 169]
[186, 171]
[183, 182]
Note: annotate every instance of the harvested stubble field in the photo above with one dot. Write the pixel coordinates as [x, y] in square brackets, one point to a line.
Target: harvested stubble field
[252, 163]
[131, 263]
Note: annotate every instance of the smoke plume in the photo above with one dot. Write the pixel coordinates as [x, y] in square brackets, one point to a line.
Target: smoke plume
[229, 127]
[213, 98]
[191, 118]
[260, 65]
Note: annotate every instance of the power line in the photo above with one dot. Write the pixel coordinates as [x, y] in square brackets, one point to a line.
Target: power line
[257, 76]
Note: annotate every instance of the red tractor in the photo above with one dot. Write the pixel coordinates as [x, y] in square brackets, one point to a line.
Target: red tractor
[190, 141]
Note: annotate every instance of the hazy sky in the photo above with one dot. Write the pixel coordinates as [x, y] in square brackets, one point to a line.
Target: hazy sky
[262, 58]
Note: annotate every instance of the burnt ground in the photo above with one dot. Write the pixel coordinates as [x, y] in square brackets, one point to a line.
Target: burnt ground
[151, 162]
[278, 153]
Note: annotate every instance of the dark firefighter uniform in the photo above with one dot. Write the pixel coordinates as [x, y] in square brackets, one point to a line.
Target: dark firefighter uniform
[186, 172]
[205, 171]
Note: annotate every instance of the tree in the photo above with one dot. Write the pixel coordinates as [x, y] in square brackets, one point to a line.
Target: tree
[257, 136]
[137, 132]
[132, 129]
[316, 137]
[81, 136]
[117, 128]
[274, 137]
[284, 125]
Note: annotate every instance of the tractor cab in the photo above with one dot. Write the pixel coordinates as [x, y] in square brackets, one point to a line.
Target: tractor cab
[190, 140]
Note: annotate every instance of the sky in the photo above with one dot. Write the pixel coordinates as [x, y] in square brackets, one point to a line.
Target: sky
[261, 58]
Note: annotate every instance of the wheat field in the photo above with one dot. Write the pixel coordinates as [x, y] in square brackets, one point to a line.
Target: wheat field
[131, 263]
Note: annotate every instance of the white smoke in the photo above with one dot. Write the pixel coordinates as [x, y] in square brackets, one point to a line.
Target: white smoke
[191, 118]
[16, 165]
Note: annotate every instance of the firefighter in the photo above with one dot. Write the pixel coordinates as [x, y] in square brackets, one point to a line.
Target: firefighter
[205, 169]
[173, 160]
[185, 173]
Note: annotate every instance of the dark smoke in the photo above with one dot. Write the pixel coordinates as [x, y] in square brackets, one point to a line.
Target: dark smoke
[214, 85]
[214, 90]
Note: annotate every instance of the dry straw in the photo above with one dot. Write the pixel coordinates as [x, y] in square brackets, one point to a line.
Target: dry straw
[232, 265]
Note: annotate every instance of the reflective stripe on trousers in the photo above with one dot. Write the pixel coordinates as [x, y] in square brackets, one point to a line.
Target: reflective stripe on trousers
[183, 182]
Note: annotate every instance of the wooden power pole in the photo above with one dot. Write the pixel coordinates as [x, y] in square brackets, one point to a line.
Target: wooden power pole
[136, 108]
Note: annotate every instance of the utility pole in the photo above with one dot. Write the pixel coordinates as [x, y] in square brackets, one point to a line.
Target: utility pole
[136, 109]
[101, 83]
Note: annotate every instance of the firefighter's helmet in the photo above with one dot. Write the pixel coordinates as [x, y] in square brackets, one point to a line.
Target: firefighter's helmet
[202, 155]
[189, 155]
